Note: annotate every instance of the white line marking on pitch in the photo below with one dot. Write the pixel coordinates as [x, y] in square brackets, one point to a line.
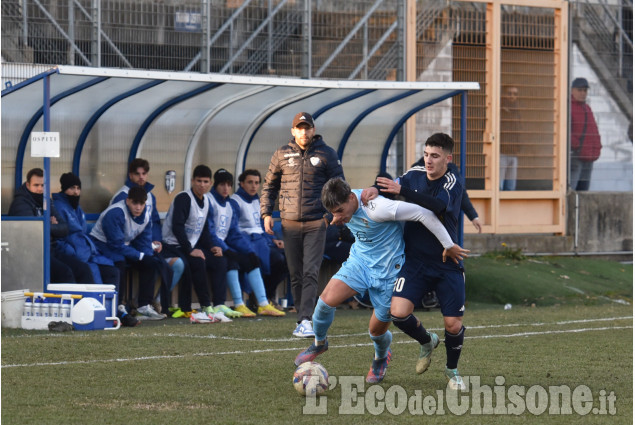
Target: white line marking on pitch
[270, 350]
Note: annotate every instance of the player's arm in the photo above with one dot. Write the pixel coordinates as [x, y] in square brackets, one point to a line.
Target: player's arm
[410, 212]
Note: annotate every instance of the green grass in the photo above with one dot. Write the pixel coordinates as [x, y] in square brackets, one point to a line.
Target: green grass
[240, 372]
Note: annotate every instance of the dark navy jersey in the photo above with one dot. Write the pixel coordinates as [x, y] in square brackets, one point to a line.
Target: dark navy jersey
[421, 244]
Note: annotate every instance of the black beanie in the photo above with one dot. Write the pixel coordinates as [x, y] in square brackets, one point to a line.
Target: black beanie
[221, 176]
[69, 180]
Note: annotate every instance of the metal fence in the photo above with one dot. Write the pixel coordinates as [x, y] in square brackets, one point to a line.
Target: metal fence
[359, 39]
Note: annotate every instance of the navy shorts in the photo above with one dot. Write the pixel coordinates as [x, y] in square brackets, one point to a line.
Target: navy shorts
[416, 279]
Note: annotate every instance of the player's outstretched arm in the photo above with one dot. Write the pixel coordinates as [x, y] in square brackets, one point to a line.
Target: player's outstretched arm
[456, 253]
[412, 212]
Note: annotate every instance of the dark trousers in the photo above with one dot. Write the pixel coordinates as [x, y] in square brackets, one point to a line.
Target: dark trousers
[79, 271]
[279, 271]
[304, 249]
[195, 276]
[147, 269]
[109, 274]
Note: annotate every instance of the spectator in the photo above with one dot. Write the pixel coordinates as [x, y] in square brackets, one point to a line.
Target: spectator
[186, 234]
[236, 247]
[585, 137]
[296, 174]
[29, 202]
[510, 131]
[138, 176]
[77, 243]
[124, 234]
[269, 250]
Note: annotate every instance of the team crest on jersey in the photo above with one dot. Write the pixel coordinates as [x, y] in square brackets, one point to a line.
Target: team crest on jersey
[315, 161]
[291, 162]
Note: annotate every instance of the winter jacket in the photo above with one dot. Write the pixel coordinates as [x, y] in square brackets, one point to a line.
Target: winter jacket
[27, 204]
[78, 244]
[296, 177]
[589, 149]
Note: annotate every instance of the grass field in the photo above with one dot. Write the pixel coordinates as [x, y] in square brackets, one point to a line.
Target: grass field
[240, 372]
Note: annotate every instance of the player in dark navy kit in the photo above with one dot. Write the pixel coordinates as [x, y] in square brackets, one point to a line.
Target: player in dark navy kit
[440, 190]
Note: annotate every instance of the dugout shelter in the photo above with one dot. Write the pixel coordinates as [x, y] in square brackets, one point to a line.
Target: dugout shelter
[176, 120]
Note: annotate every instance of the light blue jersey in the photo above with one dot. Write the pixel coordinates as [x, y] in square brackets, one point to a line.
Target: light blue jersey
[378, 237]
[377, 254]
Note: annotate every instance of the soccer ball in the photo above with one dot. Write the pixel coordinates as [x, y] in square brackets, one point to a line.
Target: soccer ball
[310, 379]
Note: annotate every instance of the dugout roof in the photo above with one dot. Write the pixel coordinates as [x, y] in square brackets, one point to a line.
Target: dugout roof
[107, 117]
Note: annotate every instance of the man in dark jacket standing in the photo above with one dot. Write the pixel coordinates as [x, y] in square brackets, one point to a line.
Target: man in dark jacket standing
[585, 137]
[296, 174]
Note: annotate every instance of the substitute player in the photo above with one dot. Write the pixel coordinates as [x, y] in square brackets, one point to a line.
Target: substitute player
[440, 190]
[374, 261]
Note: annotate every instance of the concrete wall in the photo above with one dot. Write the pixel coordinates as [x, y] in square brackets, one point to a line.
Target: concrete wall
[605, 225]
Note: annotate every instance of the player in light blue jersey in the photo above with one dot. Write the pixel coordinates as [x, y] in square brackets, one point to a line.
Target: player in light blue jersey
[373, 264]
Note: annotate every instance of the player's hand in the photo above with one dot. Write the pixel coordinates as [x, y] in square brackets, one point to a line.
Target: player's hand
[369, 194]
[269, 224]
[456, 253]
[197, 253]
[157, 246]
[388, 185]
[217, 251]
[279, 243]
[477, 224]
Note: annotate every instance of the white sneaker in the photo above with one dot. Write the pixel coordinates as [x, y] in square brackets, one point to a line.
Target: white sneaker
[147, 312]
[201, 317]
[220, 317]
[304, 329]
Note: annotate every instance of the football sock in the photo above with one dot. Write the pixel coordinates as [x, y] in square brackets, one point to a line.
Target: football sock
[411, 327]
[453, 346]
[254, 278]
[382, 344]
[234, 287]
[322, 318]
[177, 271]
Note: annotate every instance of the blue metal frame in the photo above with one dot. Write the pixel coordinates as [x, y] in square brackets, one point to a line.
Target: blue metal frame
[19, 160]
[463, 140]
[400, 123]
[81, 141]
[29, 81]
[158, 111]
[361, 116]
[253, 134]
[47, 184]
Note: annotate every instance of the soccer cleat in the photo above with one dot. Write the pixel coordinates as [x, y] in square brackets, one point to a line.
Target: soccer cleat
[177, 313]
[126, 319]
[149, 313]
[245, 311]
[228, 311]
[378, 369]
[129, 321]
[425, 353]
[455, 382]
[270, 310]
[202, 317]
[311, 353]
[219, 316]
[304, 329]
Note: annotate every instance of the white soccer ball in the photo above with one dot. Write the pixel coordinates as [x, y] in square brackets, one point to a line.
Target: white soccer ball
[310, 379]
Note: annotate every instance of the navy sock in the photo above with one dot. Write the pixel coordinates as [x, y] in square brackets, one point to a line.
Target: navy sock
[411, 327]
[453, 346]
